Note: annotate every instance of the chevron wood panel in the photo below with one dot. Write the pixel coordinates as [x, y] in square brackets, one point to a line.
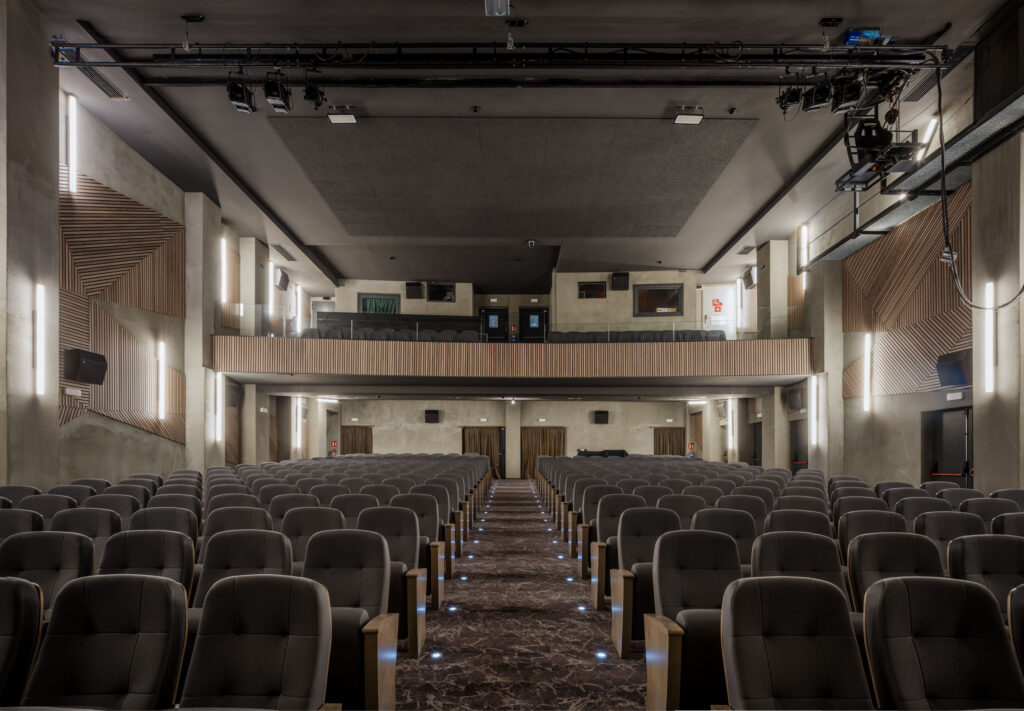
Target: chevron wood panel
[114, 249]
[236, 354]
[898, 289]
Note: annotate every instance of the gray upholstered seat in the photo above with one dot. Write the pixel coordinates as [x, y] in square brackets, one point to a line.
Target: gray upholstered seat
[1015, 622]
[180, 501]
[855, 523]
[788, 643]
[21, 622]
[401, 529]
[382, 492]
[798, 555]
[265, 643]
[911, 508]
[959, 495]
[325, 493]
[847, 504]
[233, 518]
[753, 505]
[737, 524]
[710, 494]
[50, 559]
[221, 501]
[1008, 524]
[136, 490]
[403, 484]
[16, 492]
[113, 641]
[992, 560]
[74, 491]
[242, 552]
[98, 524]
[184, 487]
[299, 525]
[891, 497]
[47, 505]
[167, 554]
[350, 505]
[802, 503]
[884, 486]
[639, 530]
[878, 556]
[943, 526]
[19, 521]
[97, 485]
[934, 487]
[684, 505]
[1015, 495]
[122, 504]
[651, 493]
[939, 643]
[761, 492]
[798, 520]
[267, 493]
[281, 504]
[988, 508]
[166, 519]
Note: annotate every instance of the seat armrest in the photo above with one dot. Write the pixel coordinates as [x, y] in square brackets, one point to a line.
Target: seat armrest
[573, 540]
[583, 550]
[664, 642]
[623, 590]
[435, 569]
[416, 611]
[449, 550]
[598, 563]
[380, 655]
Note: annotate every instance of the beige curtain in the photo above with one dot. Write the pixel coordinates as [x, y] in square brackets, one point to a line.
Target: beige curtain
[670, 440]
[483, 440]
[356, 440]
[540, 441]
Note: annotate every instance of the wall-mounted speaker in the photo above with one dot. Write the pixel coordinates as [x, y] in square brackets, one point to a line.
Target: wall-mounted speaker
[955, 368]
[282, 280]
[432, 416]
[414, 289]
[84, 366]
[620, 281]
[600, 417]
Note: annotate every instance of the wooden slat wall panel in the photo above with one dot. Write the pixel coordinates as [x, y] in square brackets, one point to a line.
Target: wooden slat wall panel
[897, 288]
[796, 300]
[234, 354]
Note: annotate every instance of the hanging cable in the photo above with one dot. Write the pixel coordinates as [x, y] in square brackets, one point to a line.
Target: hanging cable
[945, 216]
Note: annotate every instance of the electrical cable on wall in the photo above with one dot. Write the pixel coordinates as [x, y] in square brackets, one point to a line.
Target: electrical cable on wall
[945, 216]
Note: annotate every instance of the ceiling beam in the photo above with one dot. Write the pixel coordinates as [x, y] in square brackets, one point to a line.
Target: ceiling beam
[313, 254]
[465, 82]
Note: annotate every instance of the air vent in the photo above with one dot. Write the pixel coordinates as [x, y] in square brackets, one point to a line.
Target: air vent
[94, 75]
[746, 250]
[283, 252]
[927, 83]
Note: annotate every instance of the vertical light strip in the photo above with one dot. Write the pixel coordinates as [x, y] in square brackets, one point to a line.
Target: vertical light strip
[298, 309]
[72, 146]
[730, 426]
[812, 411]
[40, 340]
[867, 372]
[739, 303]
[223, 270]
[161, 380]
[990, 337]
[298, 426]
[220, 407]
[270, 289]
[803, 257]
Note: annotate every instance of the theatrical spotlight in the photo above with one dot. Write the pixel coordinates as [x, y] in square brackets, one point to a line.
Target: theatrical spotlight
[240, 94]
[817, 97]
[275, 88]
[846, 93]
[313, 92]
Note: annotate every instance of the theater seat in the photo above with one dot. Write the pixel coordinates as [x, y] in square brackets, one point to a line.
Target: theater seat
[856, 523]
[166, 519]
[51, 559]
[47, 505]
[21, 623]
[995, 561]
[878, 556]
[989, 508]
[788, 643]
[737, 524]
[98, 524]
[1008, 524]
[604, 551]
[939, 643]
[166, 554]
[431, 546]
[266, 643]
[18, 521]
[943, 526]
[798, 520]
[299, 525]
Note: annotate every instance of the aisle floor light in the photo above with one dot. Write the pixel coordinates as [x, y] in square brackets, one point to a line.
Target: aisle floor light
[867, 372]
[40, 340]
[72, 146]
[220, 407]
[223, 270]
[161, 380]
[812, 411]
[990, 337]
[803, 257]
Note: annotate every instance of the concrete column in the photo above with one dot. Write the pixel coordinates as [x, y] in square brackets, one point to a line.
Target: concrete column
[513, 440]
[775, 451]
[317, 424]
[255, 425]
[773, 289]
[744, 432]
[825, 315]
[202, 256]
[285, 428]
[714, 435]
[254, 285]
[29, 245]
[997, 222]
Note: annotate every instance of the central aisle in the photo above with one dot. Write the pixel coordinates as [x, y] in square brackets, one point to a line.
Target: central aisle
[516, 638]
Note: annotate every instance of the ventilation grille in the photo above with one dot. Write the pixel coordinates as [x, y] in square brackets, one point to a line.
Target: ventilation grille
[927, 82]
[283, 252]
[746, 250]
[92, 74]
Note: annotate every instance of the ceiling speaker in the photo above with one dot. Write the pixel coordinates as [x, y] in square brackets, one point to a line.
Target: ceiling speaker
[85, 366]
[600, 417]
[954, 369]
[414, 289]
[620, 281]
[432, 416]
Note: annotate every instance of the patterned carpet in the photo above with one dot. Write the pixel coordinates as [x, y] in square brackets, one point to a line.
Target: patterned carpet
[517, 639]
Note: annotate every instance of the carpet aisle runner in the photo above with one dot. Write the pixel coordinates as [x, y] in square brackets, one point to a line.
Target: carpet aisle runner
[515, 632]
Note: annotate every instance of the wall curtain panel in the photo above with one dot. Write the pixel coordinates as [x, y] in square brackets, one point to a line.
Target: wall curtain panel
[670, 440]
[483, 440]
[540, 441]
[355, 440]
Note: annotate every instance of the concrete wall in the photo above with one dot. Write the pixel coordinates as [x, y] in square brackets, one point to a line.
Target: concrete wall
[569, 312]
[127, 450]
[399, 427]
[630, 424]
[346, 298]
[512, 302]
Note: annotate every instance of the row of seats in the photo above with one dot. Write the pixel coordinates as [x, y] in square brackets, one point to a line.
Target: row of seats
[393, 334]
[678, 336]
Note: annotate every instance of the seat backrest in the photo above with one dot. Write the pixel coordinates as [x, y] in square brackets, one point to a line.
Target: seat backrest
[934, 487]
[222, 501]
[609, 509]
[753, 505]
[639, 530]
[400, 528]
[299, 525]
[591, 496]
[770, 484]
[855, 523]
[97, 485]
[1015, 622]
[575, 495]
[884, 486]
[684, 505]
[995, 561]
[19, 521]
[180, 501]
[49, 559]
[245, 552]
[760, 492]
[403, 484]
[353, 565]
[878, 556]
[651, 493]
[16, 492]
[47, 505]
[354, 483]
[1008, 524]
[166, 519]
[911, 508]
[692, 569]
[351, 505]
[167, 554]
[74, 491]
[283, 503]
[710, 494]
[959, 495]
[846, 504]
[798, 520]
[628, 485]
[938, 643]
[136, 490]
[1014, 495]
[813, 492]
[21, 623]
[893, 496]
[113, 641]
[724, 484]
[943, 526]
[264, 641]
[802, 503]
[425, 508]
[799, 555]
[267, 493]
[789, 643]
[236, 518]
[452, 486]
[95, 523]
[382, 492]
[325, 493]
[184, 488]
[223, 489]
[988, 508]
[737, 524]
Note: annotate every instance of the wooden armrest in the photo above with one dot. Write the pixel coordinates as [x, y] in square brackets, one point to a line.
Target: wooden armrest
[565, 521]
[416, 609]
[664, 640]
[459, 532]
[582, 552]
[449, 550]
[573, 541]
[623, 585]
[380, 656]
[435, 569]
[598, 563]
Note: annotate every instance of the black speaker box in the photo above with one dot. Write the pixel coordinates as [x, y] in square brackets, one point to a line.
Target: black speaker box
[282, 280]
[84, 366]
[620, 281]
[600, 417]
[432, 416]
[955, 368]
[414, 289]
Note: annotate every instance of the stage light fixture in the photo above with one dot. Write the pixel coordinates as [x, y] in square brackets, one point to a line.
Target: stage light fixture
[277, 93]
[846, 93]
[496, 8]
[240, 95]
[816, 97]
[788, 98]
[313, 92]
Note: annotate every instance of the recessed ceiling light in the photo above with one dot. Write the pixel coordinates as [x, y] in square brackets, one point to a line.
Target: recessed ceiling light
[690, 115]
[341, 114]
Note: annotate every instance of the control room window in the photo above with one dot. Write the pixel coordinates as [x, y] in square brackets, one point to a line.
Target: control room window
[592, 289]
[657, 299]
[378, 303]
[440, 292]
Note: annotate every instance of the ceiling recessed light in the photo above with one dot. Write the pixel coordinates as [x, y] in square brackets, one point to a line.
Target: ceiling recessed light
[341, 114]
[690, 115]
